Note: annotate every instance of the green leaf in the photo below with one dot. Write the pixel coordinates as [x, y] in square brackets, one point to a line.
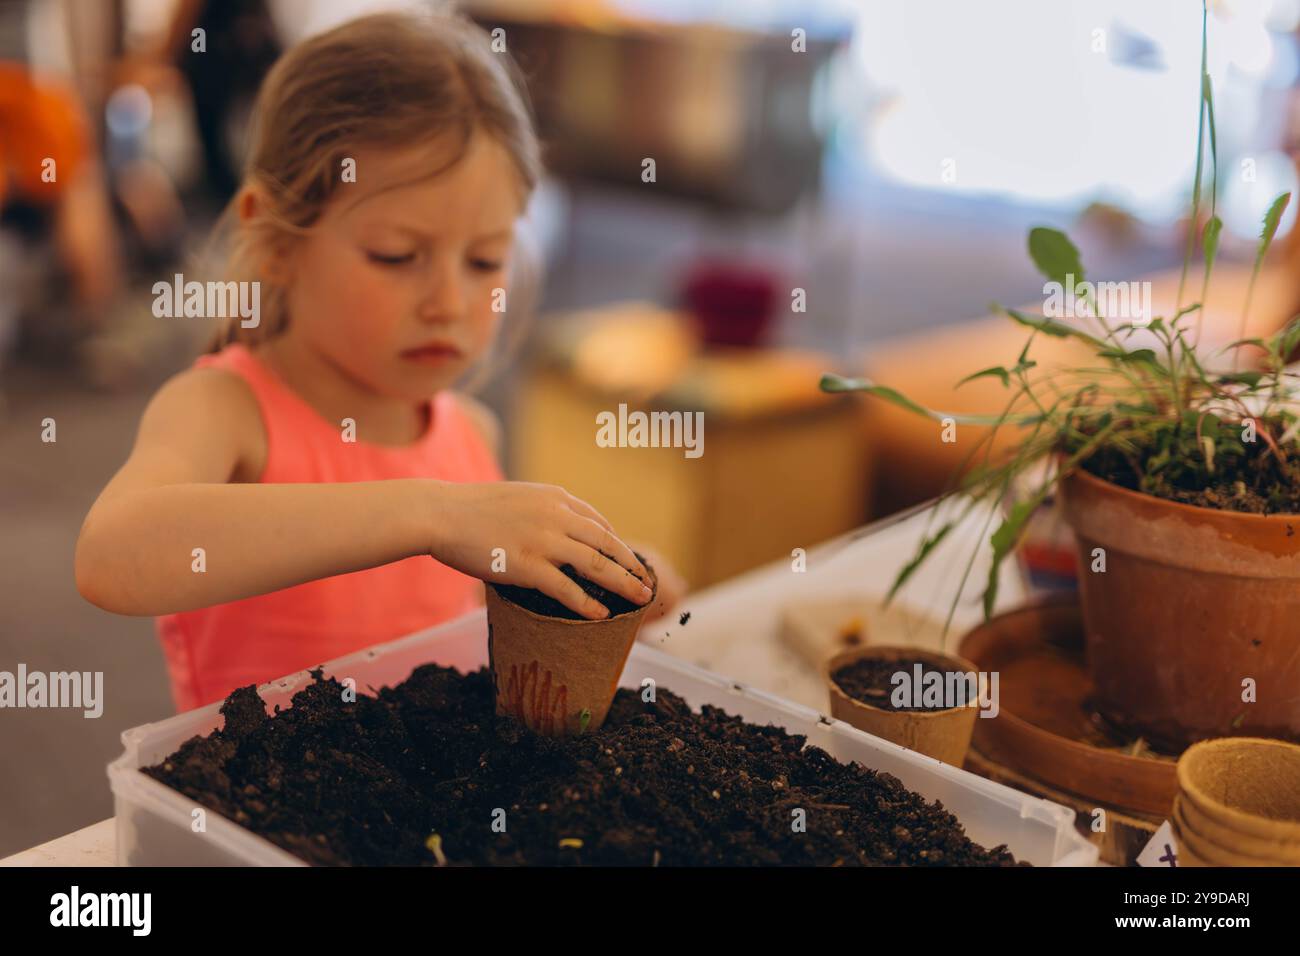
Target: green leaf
[1024, 353]
[1003, 540]
[838, 383]
[1200, 155]
[997, 370]
[1266, 233]
[1210, 243]
[1137, 355]
[1054, 254]
[1269, 229]
[1258, 343]
[1207, 94]
[1241, 378]
[922, 553]
[1057, 330]
[1289, 338]
[1132, 408]
[831, 382]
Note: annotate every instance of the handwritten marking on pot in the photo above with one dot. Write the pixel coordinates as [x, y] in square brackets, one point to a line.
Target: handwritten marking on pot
[536, 709]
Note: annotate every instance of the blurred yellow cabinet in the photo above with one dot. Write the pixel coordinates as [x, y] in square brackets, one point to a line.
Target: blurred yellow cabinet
[783, 466]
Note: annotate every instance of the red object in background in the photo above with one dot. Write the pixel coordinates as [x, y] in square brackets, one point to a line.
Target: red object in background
[731, 302]
[1049, 567]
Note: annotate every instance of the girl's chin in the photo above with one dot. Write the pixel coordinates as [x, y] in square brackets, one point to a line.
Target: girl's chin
[429, 377]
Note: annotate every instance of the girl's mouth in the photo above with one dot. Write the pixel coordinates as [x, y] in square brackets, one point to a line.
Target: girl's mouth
[434, 354]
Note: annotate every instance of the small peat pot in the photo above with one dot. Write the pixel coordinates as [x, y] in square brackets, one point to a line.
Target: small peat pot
[554, 672]
[861, 684]
[1202, 843]
[1192, 600]
[1238, 802]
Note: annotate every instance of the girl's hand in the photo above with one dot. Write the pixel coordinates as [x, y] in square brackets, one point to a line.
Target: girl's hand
[537, 528]
[672, 586]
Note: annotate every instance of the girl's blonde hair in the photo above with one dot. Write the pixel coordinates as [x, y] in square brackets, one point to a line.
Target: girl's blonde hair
[385, 80]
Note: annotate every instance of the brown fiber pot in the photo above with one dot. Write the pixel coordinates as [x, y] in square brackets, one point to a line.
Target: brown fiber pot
[1192, 601]
[547, 670]
[1246, 786]
[1225, 847]
[942, 734]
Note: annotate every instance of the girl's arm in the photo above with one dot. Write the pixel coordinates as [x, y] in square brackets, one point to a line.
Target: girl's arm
[187, 485]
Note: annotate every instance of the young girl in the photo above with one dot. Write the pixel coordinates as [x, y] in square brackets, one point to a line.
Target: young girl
[298, 494]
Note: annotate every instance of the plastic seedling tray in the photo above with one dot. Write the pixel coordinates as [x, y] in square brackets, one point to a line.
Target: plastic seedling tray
[157, 826]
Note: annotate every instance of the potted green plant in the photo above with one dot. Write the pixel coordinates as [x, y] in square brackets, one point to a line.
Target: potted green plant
[1181, 481]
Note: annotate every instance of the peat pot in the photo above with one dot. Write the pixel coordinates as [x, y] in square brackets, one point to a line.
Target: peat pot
[558, 677]
[942, 733]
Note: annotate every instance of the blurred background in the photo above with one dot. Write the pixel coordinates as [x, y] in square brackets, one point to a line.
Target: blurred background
[840, 185]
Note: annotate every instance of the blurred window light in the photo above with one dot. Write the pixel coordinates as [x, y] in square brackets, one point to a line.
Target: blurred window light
[812, 15]
[1063, 102]
[1249, 188]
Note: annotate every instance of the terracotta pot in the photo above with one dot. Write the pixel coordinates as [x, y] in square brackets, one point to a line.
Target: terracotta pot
[1192, 601]
[548, 671]
[1247, 786]
[942, 734]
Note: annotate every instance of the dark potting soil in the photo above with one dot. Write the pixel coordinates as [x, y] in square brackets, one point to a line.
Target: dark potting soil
[869, 680]
[1254, 484]
[547, 606]
[373, 781]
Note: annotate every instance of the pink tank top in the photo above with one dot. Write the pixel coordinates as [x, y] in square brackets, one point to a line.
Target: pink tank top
[214, 650]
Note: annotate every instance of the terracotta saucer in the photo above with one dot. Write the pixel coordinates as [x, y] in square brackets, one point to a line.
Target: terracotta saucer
[1046, 727]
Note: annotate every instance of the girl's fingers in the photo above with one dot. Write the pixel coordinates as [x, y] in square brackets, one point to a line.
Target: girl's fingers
[586, 510]
[594, 566]
[554, 582]
[593, 535]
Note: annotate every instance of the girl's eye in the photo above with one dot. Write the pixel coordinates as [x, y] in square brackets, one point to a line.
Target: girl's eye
[485, 265]
[390, 260]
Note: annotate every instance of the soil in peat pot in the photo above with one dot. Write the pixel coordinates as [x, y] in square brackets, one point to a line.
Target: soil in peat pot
[869, 680]
[547, 606]
[371, 781]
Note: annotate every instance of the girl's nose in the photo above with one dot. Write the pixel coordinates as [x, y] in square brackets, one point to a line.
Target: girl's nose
[444, 298]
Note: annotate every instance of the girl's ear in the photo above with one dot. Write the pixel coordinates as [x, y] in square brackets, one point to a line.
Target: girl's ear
[247, 205]
[250, 206]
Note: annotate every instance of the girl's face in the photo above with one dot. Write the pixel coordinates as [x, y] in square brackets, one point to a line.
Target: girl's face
[400, 283]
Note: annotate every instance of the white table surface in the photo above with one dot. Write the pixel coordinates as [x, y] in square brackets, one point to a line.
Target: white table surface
[733, 626]
[95, 845]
